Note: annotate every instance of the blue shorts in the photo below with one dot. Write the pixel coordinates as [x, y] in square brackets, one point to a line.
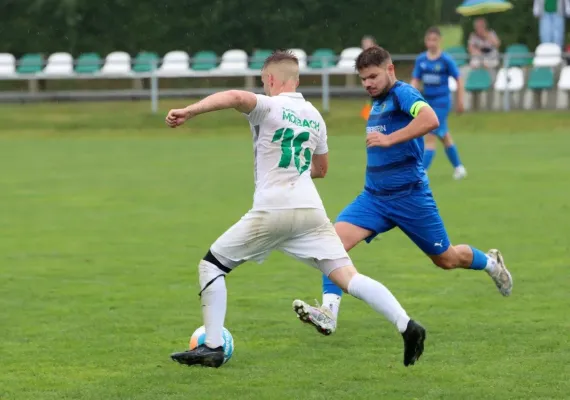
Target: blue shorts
[442, 108]
[442, 114]
[415, 213]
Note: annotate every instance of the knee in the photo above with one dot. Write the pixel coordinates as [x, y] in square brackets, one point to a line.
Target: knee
[430, 141]
[210, 269]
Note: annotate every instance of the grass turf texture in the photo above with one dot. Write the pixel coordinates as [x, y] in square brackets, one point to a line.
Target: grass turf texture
[105, 214]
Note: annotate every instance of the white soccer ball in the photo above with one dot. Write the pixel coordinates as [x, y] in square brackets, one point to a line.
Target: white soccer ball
[199, 337]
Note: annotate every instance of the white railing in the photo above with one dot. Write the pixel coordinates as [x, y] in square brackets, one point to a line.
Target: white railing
[219, 71]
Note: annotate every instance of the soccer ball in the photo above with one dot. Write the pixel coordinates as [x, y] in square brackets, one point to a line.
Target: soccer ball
[199, 337]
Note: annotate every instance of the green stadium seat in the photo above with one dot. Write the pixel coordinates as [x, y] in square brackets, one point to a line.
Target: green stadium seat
[145, 62]
[478, 80]
[88, 63]
[258, 58]
[30, 64]
[518, 56]
[322, 58]
[459, 55]
[204, 61]
[541, 78]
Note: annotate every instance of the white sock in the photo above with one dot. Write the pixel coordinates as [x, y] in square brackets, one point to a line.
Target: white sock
[214, 300]
[332, 301]
[380, 299]
[491, 265]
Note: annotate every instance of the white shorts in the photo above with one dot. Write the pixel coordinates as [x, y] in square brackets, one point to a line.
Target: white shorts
[306, 234]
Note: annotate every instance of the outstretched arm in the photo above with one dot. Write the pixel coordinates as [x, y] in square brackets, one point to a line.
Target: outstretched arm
[239, 100]
[455, 73]
[416, 74]
[460, 95]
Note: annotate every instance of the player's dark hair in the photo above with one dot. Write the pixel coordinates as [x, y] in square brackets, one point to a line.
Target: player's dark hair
[280, 56]
[373, 56]
[435, 30]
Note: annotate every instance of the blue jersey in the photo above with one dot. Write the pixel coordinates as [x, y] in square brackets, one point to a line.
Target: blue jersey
[435, 77]
[393, 168]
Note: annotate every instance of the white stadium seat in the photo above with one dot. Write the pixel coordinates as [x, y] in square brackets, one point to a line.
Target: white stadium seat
[348, 58]
[59, 64]
[564, 88]
[452, 84]
[564, 81]
[117, 63]
[511, 79]
[7, 64]
[233, 60]
[301, 56]
[175, 63]
[547, 55]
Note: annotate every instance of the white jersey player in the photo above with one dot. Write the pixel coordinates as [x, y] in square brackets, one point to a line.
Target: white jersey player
[290, 149]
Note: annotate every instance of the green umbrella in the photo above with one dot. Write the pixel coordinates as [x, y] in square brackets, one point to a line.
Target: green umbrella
[480, 7]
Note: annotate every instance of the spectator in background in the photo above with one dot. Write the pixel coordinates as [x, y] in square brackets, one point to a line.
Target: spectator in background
[367, 42]
[551, 14]
[483, 46]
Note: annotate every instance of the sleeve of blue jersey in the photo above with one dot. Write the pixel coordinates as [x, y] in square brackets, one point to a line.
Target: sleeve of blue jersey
[417, 72]
[452, 66]
[410, 99]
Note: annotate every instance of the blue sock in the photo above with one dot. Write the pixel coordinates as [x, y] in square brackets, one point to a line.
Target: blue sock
[453, 156]
[330, 287]
[479, 259]
[428, 157]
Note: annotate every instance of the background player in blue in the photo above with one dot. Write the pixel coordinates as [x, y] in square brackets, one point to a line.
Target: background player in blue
[433, 68]
[396, 189]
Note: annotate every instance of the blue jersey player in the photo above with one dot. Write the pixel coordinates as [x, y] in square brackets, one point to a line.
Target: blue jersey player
[396, 189]
[433, 69]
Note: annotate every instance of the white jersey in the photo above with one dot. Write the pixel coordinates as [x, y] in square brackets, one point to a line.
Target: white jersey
[287, 131]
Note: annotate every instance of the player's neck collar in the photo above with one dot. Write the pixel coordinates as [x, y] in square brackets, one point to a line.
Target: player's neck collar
[291, 94]
[431, 57]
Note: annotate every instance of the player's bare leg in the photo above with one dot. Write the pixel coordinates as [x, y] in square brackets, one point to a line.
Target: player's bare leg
[350, 236]
[381, 300]
[430, 143]
[464, 256]
[459, 170]
[324, 317]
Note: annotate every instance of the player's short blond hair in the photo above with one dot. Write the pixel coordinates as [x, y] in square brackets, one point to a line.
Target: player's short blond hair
[283, 64]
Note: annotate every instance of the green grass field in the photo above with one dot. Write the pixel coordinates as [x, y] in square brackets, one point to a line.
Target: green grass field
[105, 213]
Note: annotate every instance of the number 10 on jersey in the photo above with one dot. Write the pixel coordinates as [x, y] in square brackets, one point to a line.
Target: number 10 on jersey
[291, 147]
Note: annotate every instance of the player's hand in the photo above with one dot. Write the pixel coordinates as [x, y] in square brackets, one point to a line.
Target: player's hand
[378, 140]
[460, 107]
[177, 117]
